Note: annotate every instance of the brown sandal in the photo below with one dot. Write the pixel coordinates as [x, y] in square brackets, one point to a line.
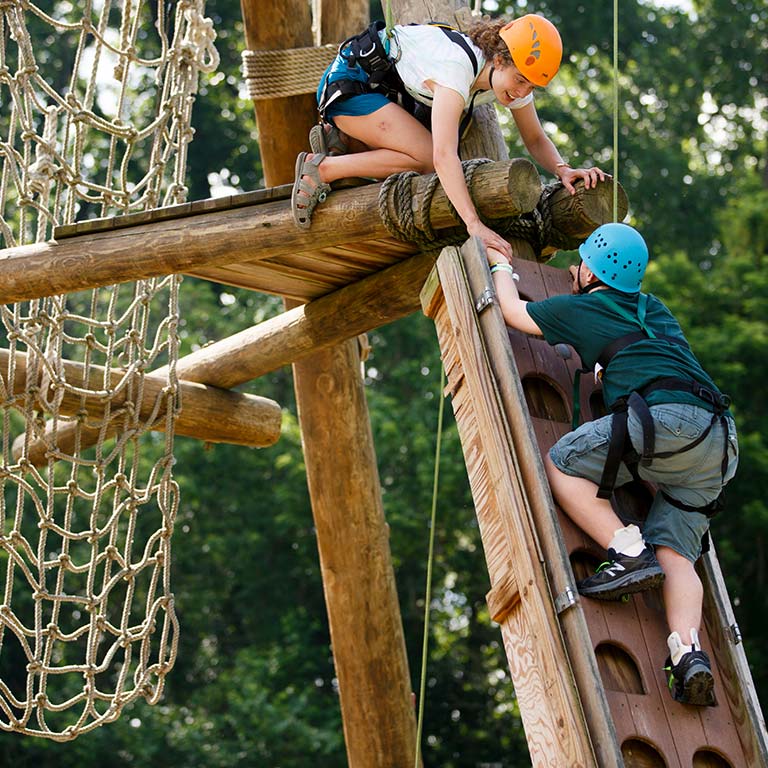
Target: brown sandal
[308, 195]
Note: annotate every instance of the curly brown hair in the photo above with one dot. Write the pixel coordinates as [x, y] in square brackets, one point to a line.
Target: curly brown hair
[485, 35]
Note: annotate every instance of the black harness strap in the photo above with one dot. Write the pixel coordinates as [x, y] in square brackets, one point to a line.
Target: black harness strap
[367, 51]
[612, 348]
[620, 447]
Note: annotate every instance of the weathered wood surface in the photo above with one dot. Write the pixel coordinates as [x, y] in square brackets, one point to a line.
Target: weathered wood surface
[331, 17]
[358, 577]
[539, 499]
[520, 594]
[248, 233]
[208, 413]
[283, 123]
[738, 687]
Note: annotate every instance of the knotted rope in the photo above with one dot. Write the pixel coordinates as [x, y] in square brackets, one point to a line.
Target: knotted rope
[410, 223]
[292, 72]
[87, 617]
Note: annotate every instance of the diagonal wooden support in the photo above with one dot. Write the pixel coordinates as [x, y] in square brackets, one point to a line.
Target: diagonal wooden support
[550, 705]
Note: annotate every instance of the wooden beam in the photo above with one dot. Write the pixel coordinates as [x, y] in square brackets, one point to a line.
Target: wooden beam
[376, 300]
[207, 413]
[502, 363]
[343, 314]
[246, 233]
[520, 596]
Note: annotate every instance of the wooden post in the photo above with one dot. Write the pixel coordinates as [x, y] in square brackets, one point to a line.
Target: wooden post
[519, 599]
[358, 577]
[528, 459]
[283, 123]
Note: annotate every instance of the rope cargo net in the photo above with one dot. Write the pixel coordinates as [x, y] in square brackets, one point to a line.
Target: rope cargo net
[88, 383]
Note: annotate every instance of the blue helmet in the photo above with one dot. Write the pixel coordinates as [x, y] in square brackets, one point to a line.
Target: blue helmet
[617, 255]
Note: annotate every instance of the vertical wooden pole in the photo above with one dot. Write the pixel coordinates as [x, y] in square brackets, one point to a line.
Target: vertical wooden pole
[358, 577]
[283, 123]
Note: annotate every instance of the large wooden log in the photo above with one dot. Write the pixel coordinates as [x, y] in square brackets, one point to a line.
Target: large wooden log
[262, 231]
[208, 413]
[358, 578]
[285, 122]
[345, 313]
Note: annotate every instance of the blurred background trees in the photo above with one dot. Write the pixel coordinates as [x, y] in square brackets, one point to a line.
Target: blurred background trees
[254, 683]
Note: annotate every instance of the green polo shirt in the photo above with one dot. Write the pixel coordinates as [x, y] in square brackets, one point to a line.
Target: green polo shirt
[588, 325]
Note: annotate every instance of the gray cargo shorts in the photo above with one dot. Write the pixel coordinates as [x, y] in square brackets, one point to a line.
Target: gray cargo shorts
[694, 477]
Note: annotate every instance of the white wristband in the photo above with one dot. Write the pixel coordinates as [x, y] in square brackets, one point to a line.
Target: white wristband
[500, 267]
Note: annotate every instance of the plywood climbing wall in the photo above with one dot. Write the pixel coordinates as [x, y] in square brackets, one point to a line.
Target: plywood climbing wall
[627, 640]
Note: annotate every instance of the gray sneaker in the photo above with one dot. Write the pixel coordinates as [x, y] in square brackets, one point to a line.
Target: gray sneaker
[622, 575]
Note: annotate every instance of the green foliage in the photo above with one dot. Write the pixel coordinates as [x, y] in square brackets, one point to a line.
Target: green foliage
[254, 683]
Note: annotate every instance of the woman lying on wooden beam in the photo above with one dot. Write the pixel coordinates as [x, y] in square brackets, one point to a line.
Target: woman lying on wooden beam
[382, 96]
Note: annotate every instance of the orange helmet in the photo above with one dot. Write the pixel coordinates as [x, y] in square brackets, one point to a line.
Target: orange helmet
[535, 46]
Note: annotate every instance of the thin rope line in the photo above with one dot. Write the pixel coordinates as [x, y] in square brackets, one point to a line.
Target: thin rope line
[430, 559]
[388, 18]
[615, 110]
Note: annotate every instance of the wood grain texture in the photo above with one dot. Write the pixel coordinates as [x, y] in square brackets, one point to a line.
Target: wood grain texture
[283, 123]
[243, 234]
[207, 413]
[549, 704]
[358, 578]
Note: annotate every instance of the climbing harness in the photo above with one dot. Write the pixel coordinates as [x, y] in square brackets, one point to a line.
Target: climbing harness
[367, 51]
[620, 448]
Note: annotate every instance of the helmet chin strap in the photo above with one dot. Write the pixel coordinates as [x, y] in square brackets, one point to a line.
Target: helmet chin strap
[586, 288]
[490, 77]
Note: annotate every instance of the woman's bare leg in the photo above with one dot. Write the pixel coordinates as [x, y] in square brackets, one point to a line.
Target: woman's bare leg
[395, 141]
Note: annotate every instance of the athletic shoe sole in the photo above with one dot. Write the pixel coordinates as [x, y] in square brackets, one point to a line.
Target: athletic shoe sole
[635, 581]
[699, 687]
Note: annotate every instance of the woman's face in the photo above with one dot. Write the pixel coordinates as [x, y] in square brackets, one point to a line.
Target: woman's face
[509, 84]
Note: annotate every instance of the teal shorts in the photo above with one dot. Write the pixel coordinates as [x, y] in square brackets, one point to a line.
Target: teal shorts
[694, 477]
[363, 104]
